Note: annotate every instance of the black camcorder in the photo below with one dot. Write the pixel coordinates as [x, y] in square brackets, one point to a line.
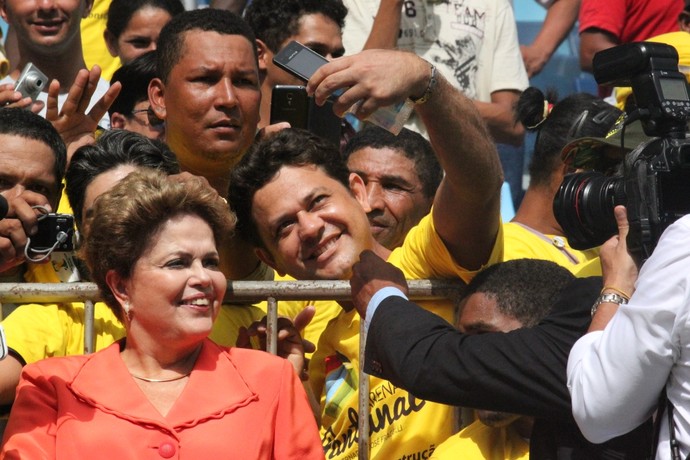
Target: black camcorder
[654, 179]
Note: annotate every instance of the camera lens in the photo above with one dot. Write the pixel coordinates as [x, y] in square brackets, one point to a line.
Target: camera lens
[583, 207]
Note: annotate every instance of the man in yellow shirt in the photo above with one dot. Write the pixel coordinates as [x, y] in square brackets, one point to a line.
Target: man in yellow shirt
[305, 213]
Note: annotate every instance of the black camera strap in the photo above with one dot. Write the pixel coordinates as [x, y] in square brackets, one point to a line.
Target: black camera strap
[667, 405]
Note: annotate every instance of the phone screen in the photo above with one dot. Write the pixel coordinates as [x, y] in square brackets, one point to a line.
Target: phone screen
[299, 60]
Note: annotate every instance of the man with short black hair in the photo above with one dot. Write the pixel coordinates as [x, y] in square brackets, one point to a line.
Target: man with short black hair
[207, 92]
[401, 175]
[317, 24]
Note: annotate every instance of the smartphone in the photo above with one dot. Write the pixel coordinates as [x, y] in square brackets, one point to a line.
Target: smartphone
[302, 62]
[299, 60]
[3, 344]
[31, 82]
[290, 103]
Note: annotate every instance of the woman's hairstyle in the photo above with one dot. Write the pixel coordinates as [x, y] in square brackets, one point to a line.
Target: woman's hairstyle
[556, 124]
[112, 150]
[128, 217]
[121, 11]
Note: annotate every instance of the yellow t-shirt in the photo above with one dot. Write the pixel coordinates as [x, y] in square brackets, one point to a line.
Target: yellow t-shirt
[521, 243]
[401, 425]
[42, 331]
[93, 43]
[325, 311]
[230, 318]
[482, 442]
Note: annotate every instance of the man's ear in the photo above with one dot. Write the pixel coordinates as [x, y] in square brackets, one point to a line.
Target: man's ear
[359, 191]
[264, 54]
[110, 42]
[117, 286]
[157, 98]
[266, 257]
[117, 120]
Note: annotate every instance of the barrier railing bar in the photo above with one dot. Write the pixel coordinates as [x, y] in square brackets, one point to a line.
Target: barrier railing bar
[89, 327]
[363, 446]
[272, 326]
[238, 291]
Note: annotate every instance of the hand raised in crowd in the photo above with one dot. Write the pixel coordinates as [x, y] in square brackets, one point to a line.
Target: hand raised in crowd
[291, 345]
[370, 274]
[75, 126]
[405, 75]
[20, 223]
[11, 98]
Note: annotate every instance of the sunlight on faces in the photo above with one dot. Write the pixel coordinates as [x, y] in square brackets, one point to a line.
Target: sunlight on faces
[211, 102]
[46, 25]
[140, 35]
[394, 192]
[311, 225]
[176, 288]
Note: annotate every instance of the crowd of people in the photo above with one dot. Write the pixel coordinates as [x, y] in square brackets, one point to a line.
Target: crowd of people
[154, 132]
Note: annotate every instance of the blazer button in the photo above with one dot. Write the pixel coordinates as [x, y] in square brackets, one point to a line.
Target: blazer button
[166, 450]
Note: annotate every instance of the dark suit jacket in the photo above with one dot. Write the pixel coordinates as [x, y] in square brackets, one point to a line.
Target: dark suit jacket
[522, 371]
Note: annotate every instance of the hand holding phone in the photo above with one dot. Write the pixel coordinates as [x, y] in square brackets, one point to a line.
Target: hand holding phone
[302, 62]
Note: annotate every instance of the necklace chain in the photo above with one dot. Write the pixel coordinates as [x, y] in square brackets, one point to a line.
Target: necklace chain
[146, 379]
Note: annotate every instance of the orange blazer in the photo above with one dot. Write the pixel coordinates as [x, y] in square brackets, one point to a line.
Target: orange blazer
[238, 403]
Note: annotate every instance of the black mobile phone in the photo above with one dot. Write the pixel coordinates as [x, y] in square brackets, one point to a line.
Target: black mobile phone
[299, 60]
[290, 103]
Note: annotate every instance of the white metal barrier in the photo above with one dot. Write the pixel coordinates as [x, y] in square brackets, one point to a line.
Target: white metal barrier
[239, 292]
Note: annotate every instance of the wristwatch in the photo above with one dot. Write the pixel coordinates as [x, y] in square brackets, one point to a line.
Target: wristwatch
[611, 297]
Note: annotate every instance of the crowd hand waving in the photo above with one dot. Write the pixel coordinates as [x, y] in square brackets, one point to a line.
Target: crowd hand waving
[371, 79]
[291, 345]
[76, 127]
[370, 274]
[11, 98]
[20, 223]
